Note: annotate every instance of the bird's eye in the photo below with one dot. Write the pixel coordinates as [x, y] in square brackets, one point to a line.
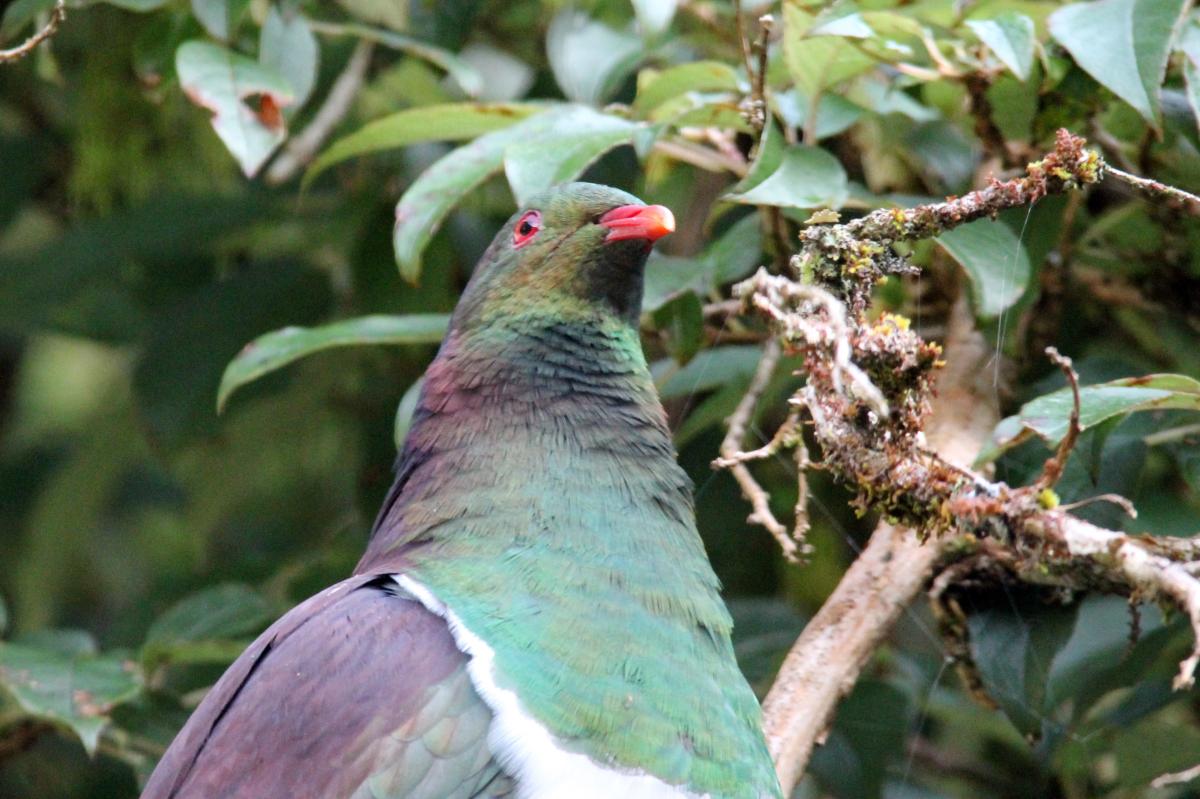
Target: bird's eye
[527, 227]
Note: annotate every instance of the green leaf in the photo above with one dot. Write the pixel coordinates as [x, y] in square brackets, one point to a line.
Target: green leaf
[683, 321]
[221, 81]
[995, 260]
[76, 691]
[277, 349]
[807, 177]
[405, 411]
[1011, 37]
[134, 5]
[221, 614]
[537, 164]
[466, 76]
[439, 188]
[868, 736]
[447, 122]
[1013, 646]
[287, 45]
[712, 368]
[818, 62]
[589, 59]
[766, 160]
[1123, 44]
[1048, 416]
[654, 16]
[835, 113]
[656, 88]
[1153, 748]
[220, 17]
[730, 257]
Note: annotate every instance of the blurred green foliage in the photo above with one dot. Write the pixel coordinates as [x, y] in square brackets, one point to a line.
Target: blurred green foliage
[145, 241]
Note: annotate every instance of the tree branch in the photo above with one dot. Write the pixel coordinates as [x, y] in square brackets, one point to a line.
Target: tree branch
[57, 15]
[869, 391]
[826, 661]
[302, 148]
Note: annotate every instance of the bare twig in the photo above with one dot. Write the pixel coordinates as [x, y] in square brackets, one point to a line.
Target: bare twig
[1176, 778]
[1115, 499]
[57, 15]
[1053, 468]
[1156, 188]
[705, 158]
[989, 134]
[731, 456]
[302, 148]
[743, 42]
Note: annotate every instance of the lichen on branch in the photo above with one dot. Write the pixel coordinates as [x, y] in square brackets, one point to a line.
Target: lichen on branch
[868, 394]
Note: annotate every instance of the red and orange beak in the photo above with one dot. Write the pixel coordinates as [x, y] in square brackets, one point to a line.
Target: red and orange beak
[646, 222]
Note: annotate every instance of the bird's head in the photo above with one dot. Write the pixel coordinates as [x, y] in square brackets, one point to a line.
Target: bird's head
[577, 249]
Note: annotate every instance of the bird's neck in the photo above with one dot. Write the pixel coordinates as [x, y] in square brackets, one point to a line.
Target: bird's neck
[522, 418]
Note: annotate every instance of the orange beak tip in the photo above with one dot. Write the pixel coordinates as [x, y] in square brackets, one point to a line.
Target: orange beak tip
[645, 222]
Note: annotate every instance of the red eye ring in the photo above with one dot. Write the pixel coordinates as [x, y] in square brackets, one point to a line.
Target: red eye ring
[527, 227]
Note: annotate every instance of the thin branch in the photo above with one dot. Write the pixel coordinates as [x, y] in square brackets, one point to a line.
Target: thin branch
[743, 43]
[1053, 468]
[57, 15]
[1156, 188]
[1176, 778]
[739, 422]
[700, 156]
[302, 148]
[1116, 499]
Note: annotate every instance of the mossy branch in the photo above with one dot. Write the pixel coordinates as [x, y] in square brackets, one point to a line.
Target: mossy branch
[870, 390]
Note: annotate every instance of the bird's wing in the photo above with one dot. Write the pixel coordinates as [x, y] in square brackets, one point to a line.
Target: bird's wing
[357, 692]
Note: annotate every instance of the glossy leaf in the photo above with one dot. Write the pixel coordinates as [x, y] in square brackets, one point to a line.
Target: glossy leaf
[995, 260]
[588, 58]
[448, 122]
[767, 158]
[1123, 44]
[807, 177]
[190, 627]
[133, 5]
[1048, 416]
[287, 46]
[72, 689]
[1011, 37]
[223, 81]
[562, 155]
[656, 88]
[279, 348]
[817, 62]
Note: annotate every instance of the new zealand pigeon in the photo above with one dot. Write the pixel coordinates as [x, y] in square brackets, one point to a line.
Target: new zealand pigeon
[535, 616]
